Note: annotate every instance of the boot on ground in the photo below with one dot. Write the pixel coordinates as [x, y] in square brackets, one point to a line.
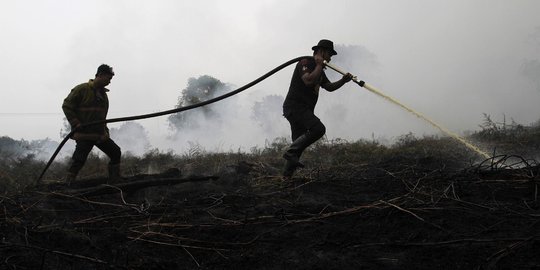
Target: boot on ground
[114, 174]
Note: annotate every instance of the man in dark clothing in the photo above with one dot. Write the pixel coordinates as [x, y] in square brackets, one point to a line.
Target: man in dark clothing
[88, 102]
[301, 99]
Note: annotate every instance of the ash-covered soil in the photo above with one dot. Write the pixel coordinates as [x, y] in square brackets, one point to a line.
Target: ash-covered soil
[392, 214]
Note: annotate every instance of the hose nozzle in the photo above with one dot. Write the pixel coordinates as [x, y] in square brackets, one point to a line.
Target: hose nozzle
[355, 79]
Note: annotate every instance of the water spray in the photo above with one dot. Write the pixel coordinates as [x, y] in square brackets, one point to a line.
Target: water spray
[419, 115]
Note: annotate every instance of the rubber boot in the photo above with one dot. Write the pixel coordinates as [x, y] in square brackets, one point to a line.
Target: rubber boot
[288, 170]
[293, 153]
[114, 173]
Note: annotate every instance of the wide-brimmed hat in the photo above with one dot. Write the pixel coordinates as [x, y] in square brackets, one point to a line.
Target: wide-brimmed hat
[326, 44]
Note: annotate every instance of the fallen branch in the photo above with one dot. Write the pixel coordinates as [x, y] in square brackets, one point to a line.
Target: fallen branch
[67, 254]
[495, 258]
[404, 210]
[133, 186]
[342, 212]
[446, 243]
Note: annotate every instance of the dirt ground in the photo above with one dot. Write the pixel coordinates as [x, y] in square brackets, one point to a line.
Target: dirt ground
[395, 214]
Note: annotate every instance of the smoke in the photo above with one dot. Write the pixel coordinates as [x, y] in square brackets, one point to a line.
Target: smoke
[449, 62]
[356, 59]
[530, 68]
[254, 120]
[531, 71]
[11, 149]
[234, 124]
[132, 138]
[351, 112]
[266, 114]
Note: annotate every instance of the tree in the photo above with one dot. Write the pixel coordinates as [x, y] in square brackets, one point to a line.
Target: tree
[198, 89]
[10, 148]
[13, 149]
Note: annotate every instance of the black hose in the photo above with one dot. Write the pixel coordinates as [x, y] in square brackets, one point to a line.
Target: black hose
[150, 115]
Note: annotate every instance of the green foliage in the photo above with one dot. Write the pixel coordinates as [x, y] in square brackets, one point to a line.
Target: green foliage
[513, 138]
[410, 149]
[499, 131]
[21, 162]
[339, 151]
[152, 161]
[17, 173]
[274, 147]
[10, 148]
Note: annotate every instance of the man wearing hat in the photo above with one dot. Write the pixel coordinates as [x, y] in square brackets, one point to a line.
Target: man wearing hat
[301, 99]
[86, 103]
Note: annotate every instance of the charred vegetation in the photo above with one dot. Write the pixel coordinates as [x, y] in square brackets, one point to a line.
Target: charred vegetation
[421, 203]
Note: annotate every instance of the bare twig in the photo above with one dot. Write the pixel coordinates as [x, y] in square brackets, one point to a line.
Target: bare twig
[72, 255]
[496, 257]
[444, 243]
[135, 185]
[404, 210]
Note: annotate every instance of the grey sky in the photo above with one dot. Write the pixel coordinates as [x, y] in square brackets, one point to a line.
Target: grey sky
[450, 60]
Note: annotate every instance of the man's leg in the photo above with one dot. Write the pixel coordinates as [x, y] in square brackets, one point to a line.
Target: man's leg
[300, 144]
[113, 151]
[82, 149]
[306, 129]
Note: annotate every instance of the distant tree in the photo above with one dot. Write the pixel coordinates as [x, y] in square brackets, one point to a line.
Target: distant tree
[42, 149]
[10, 148]
[13, 149]
[198, 89]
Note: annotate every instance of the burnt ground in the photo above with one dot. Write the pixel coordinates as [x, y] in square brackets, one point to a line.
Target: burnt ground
[393, 214]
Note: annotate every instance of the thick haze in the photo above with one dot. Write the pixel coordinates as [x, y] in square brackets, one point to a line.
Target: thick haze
[450, 60]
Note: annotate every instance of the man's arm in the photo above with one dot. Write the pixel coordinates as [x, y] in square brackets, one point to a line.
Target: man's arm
[333, 86]
[69, 107]
[311, 78]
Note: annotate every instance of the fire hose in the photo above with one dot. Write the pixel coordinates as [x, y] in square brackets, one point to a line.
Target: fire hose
[256, 81]
[177, 110]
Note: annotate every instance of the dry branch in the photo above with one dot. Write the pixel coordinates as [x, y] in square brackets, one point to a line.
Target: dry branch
[136, 185]
[46, 250]
[449, 242]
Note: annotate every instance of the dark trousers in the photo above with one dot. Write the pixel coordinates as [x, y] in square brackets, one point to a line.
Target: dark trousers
[83, 148]
[306, 128]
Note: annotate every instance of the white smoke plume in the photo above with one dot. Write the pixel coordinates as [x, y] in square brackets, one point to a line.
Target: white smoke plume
[132, 138]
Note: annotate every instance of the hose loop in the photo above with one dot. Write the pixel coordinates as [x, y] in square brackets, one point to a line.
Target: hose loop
[177, 110]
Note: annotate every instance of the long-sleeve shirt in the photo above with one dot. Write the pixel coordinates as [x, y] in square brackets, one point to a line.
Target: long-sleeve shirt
[86, 104]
